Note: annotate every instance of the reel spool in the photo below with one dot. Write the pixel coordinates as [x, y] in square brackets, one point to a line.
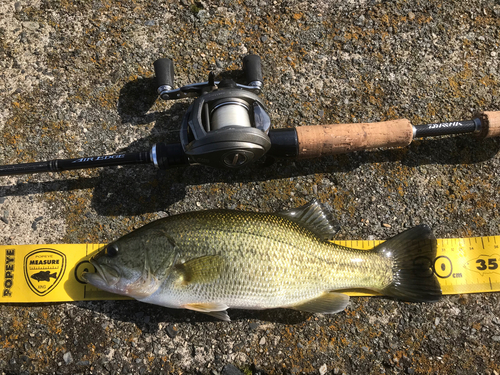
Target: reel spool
[227, 125]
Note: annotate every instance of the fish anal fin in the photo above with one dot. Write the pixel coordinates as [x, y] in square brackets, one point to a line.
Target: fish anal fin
[215, 309]
[201, 270]
[327, 303]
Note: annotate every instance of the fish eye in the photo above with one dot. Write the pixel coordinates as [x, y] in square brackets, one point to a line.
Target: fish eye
[112, 250]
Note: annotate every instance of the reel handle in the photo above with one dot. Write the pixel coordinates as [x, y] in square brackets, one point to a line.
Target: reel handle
[252, 68]
[164, 72]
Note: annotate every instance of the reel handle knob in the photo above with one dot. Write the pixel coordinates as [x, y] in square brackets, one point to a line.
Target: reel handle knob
[253, 70]
[164, 73]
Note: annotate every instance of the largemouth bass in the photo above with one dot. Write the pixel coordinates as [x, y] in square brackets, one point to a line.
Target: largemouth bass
[210, 261]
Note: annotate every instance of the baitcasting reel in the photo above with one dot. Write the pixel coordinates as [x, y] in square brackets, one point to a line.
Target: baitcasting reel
[227, 125]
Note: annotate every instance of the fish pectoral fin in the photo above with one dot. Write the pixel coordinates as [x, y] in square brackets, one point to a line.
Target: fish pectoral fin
[201, 270]
[215, 309]
[327, 303]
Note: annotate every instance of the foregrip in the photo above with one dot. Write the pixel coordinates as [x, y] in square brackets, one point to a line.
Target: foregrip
[490, 124]
[322, 140]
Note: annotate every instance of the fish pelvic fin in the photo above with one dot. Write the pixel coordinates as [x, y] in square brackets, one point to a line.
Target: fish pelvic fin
[327, 303]
[413, 253]
[314, 217]
[215, 309]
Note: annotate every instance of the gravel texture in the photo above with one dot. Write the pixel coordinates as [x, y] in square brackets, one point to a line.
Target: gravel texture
[76, 80]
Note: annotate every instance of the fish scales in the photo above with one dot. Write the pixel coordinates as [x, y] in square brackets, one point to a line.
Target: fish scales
[239, 259]
[270, 261]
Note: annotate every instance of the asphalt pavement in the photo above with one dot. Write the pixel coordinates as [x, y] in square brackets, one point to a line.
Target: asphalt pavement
[76, 80]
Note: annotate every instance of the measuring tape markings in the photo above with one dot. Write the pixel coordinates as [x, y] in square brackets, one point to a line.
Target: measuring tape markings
[462, 265]
[53, 273]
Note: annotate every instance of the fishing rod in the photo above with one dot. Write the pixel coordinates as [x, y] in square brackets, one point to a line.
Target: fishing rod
[227, 126]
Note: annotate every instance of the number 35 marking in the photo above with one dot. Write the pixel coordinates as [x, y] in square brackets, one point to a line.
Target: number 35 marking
[492, 264]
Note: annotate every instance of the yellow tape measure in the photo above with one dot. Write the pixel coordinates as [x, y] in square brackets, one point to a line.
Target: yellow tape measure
[52, 273]
[462, 265]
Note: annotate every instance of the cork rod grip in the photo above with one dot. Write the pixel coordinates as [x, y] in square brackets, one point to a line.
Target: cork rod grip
[320, 140]
[490, 122]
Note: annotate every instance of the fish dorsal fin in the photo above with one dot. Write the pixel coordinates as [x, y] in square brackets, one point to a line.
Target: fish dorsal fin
[200, 270]
[315, 218]
[327, 303]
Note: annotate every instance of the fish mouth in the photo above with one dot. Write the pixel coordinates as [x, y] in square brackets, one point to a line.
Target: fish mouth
[105, 277]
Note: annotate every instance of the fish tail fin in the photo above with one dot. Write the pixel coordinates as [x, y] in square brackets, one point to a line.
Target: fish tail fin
[413, 253]
[54, 275]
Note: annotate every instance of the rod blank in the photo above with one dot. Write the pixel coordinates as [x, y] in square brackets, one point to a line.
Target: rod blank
[59, 165]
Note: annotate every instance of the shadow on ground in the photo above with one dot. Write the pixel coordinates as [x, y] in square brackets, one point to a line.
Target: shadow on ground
[148, 317]
[134, 190]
